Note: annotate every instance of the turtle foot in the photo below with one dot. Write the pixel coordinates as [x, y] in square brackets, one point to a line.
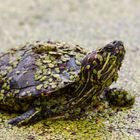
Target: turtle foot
[22, 119]
[119, 97]
[31, 116]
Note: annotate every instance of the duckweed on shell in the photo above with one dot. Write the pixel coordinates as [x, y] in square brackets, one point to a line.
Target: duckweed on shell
[39, 87]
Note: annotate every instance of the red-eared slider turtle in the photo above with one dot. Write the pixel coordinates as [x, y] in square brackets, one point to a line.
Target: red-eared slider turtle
[45, 79]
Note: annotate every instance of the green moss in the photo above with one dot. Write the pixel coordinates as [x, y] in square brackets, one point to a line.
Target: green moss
[59, 129]
[95, 126]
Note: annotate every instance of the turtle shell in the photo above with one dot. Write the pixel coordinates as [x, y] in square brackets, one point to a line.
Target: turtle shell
[39, 68]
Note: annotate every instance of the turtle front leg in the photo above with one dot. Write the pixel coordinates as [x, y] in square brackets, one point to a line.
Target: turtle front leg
[119, 97]
[31, 116]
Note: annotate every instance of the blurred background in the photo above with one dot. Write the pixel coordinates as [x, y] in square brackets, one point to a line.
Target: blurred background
[89, 23]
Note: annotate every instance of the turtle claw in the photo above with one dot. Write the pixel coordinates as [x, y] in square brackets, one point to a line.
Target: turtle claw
[14, 121]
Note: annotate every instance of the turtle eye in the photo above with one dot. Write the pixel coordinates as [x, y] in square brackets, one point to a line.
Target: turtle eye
[117, 43]
[109, 48]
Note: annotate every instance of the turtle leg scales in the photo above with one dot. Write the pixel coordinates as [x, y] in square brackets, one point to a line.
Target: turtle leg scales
[119, 97]
[30, 116]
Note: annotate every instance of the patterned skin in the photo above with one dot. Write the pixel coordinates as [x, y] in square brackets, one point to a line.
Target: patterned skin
[46, 79]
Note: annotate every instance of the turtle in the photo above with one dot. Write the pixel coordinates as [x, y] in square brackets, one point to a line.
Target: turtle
[44, 79]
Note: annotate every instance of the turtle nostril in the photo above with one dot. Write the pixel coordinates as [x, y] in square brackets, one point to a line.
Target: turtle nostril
[114, 42]
[117, 43]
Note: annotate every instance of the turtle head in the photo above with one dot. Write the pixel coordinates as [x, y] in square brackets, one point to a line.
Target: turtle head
[101, 66]
[114, 50]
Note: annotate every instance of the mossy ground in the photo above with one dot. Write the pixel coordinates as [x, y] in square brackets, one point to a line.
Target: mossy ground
[96, 127]
[89, 23]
